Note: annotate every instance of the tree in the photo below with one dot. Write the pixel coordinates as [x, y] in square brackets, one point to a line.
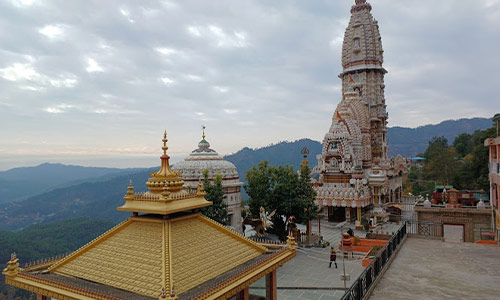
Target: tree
[463, 144]
[258, 187]
[218, 210]
[281, 189]
[441, 164]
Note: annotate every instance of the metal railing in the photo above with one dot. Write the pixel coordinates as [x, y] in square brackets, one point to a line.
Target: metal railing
[425, 229]
[361, 286]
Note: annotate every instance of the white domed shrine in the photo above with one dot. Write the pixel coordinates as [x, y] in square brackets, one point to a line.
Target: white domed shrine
[205, 158]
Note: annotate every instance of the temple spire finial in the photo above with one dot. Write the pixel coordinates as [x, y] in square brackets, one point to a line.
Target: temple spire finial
[203, 126]
[164, 148]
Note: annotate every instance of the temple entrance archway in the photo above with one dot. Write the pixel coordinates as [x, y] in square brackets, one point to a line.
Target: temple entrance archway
[336, 214]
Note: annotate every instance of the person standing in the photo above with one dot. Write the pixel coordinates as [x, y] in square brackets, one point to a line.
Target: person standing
[333, 258]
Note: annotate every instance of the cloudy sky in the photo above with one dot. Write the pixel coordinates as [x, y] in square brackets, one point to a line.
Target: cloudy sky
[97, 82]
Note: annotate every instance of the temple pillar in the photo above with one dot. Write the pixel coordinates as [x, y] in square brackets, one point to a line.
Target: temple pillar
[244, 294]
[375, 195]
[271, 291]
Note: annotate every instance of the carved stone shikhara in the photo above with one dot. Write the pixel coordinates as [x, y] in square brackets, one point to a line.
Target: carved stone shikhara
[354, 168]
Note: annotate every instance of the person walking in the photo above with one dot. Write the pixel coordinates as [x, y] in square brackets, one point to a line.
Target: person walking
[333, 258]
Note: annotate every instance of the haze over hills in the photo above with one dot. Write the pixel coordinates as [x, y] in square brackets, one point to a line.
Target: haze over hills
[99, 197]
[20, 183]
[411, 141]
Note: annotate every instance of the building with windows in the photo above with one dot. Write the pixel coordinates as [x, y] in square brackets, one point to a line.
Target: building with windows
[355, 173]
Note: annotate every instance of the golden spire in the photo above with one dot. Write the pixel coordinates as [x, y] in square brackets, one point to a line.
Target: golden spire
[203, 136]
[165, 176]
[164, 148]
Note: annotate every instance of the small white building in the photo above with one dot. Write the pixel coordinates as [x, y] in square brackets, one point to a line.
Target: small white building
[205, 158]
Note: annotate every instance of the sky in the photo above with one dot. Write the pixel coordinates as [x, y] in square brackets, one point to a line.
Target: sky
[97, 82]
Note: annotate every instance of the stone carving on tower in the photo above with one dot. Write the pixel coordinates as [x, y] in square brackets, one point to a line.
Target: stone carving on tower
[355, 173]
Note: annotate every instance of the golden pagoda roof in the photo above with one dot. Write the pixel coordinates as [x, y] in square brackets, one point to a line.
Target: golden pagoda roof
[145, 254]
[148, 254]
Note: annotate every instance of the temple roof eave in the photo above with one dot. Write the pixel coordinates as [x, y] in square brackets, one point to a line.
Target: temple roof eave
[163, 207]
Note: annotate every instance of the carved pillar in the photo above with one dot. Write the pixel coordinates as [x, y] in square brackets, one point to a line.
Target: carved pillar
[271, 292]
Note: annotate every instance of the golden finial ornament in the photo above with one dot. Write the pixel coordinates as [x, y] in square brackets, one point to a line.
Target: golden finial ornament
[155, 183]
[291, 242]
[164, 148]
[203, 126]
[12, 266]
[130, 192]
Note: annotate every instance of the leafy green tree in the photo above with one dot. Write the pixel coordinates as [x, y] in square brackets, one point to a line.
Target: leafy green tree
[463, 144]
[479, 158]
[441, 164]
[218, 210]
[283, 190]
[258, 187]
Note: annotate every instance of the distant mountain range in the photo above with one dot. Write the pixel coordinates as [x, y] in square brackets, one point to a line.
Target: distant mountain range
[411, 141]
[20, 183]
[66, 192]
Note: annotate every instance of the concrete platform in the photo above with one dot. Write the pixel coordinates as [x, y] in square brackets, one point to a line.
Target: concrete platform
[431, 269]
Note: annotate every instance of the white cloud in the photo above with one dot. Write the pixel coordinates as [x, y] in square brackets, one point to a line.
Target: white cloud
[53, 32]
[23, 3]
[26, 72]
[221, 89]
[194, 30]
[166, 51]
[194, 78]
[219, 37]
[58, 109]
[126, 14]
[19, 71]
[93, 66]
[230, 111]
[167, 81]
[66, 82]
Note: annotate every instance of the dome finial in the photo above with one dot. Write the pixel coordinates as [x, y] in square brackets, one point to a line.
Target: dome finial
[203, 126]
[164, 148]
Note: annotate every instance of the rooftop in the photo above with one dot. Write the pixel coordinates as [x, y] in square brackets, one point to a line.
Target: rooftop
[438, 270]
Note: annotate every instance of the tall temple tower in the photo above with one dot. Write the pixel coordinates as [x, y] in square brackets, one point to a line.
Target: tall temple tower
[355, 173]
[362, 58]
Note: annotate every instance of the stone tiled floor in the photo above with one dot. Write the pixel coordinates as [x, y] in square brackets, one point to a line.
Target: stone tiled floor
[309, 269]
[432, 269]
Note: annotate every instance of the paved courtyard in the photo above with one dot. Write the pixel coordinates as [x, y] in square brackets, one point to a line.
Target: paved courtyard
[307, 276]
[432, 269]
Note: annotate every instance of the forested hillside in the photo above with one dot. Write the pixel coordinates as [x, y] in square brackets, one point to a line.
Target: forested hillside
[20, 183]
[411, 141]
[45, 241]
[91, 199]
